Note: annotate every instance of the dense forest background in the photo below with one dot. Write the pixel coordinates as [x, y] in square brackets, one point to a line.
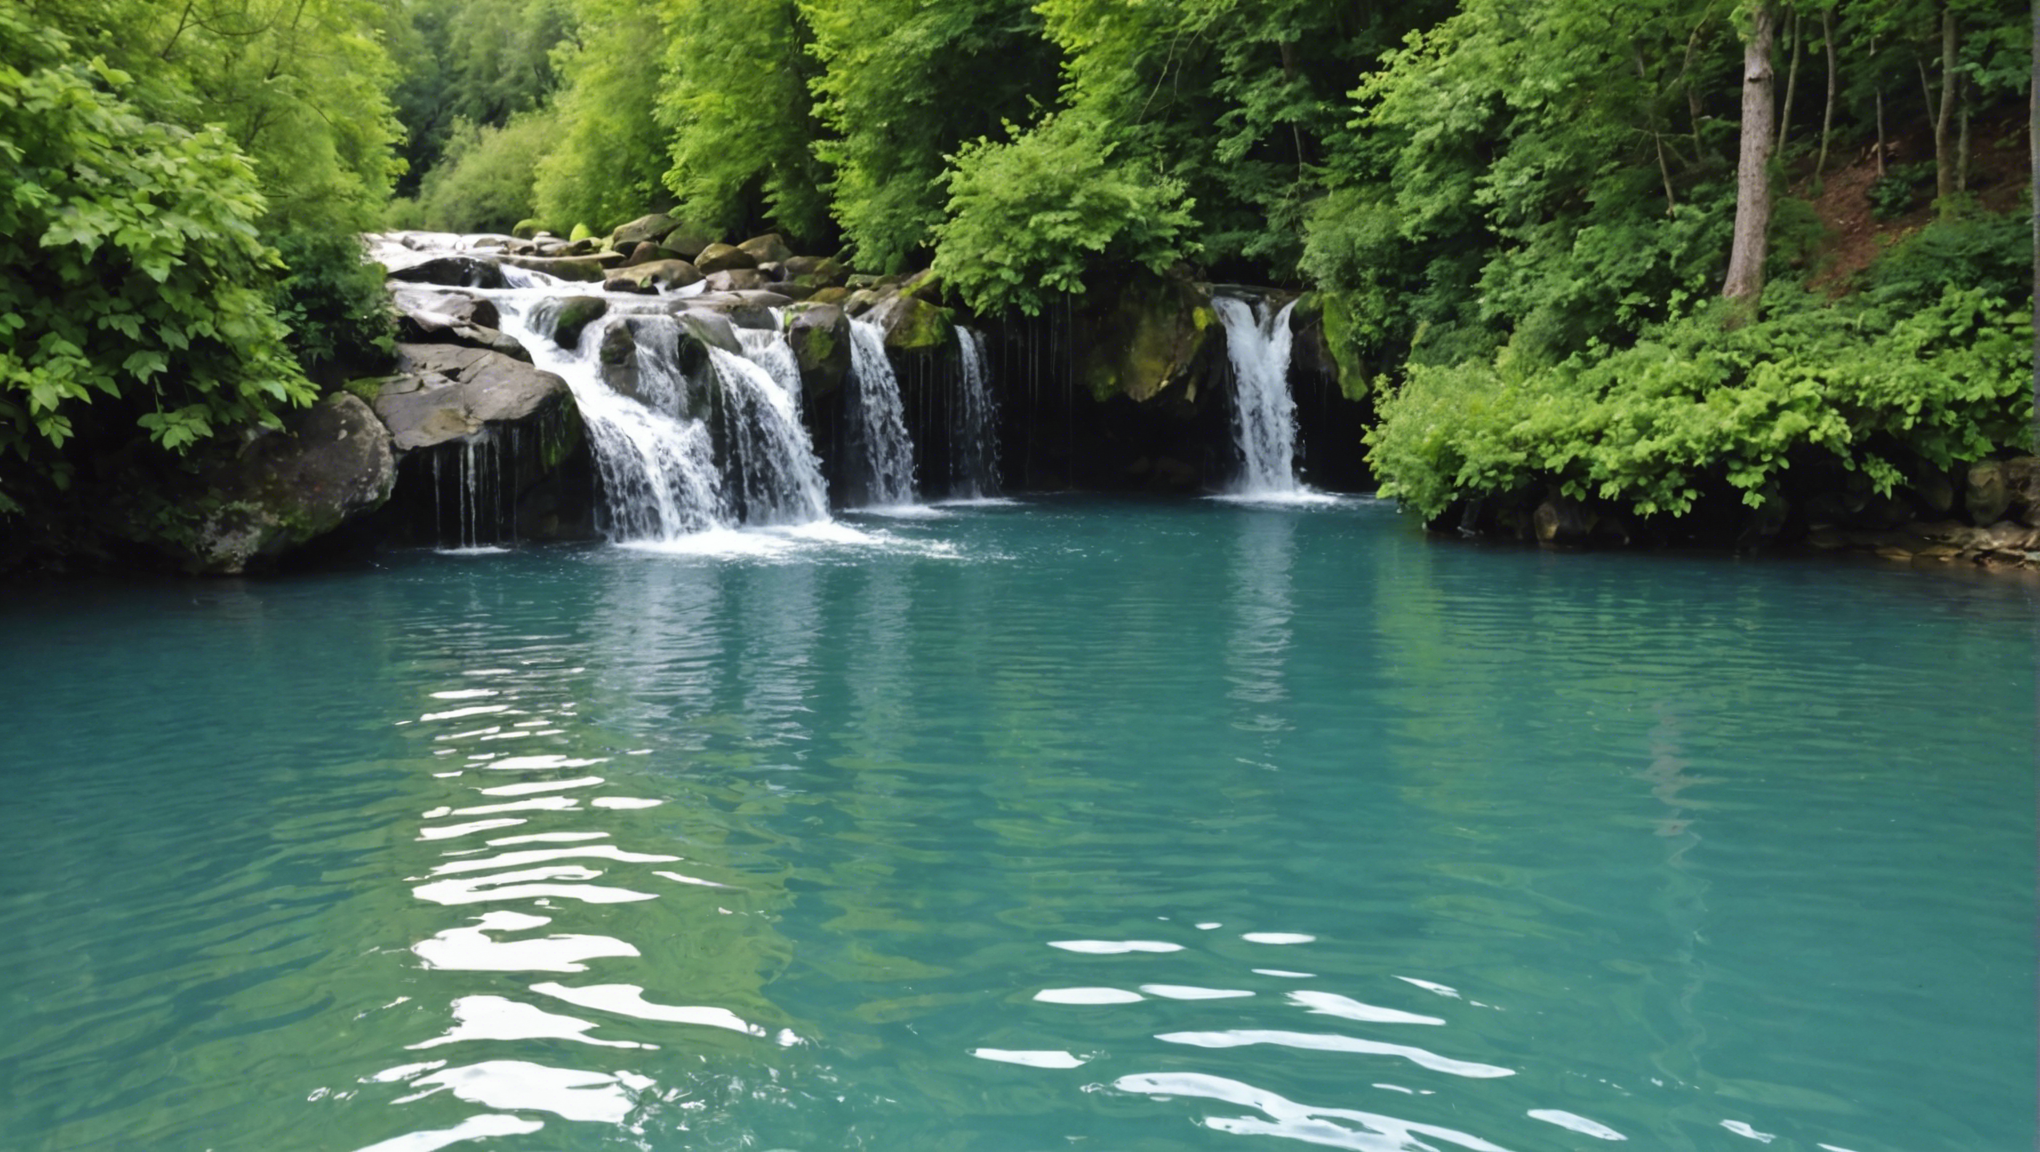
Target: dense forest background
[1518, 215]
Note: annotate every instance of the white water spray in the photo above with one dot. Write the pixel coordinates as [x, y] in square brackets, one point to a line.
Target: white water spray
[974, 424]
[1264, 413]
[882, 424]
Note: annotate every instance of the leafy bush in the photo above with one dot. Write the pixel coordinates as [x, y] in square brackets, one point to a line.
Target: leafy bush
[1694, 405]
[334, 303]
[486, 182]
[1893, 194]
[1027, 217]
[132, 281]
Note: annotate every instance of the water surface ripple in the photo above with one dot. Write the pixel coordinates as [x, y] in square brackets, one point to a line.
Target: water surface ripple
[1024, 825]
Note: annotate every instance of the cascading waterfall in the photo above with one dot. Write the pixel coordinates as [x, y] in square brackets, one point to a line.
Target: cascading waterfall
[1264, 413]
[974, 431]
[772, 467]
[681, 455]
[881, 423]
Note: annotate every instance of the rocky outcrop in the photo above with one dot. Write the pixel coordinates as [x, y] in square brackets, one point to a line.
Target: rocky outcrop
[431, 317]
[653, 277]
[820, 337]
[444, 392]
[454, 272]
[1154, 336]
[329, 464]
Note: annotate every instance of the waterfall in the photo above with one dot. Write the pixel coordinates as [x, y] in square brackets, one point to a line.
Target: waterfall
[680, 453]
[470, 472]
[1264, 413]
[974, 431]
[881, 423]
[771, 466]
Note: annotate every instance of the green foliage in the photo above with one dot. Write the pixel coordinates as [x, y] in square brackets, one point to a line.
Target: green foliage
[133, 289]
[736, 101]
[1896, 192]
[1028, 218]
[903, 84]
[606, 159]
[486, 182]
[1696, 406]
[478, 62]
[334, 304]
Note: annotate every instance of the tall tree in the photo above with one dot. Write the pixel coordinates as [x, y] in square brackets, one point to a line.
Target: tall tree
[1751, 245]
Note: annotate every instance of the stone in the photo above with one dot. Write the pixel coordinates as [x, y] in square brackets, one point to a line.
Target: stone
[648, 252]
[1563, 520]
[572, 317]
[767, 249]
[737, 280]
[330, 463]
[832, 295]
[1153, 335]
[453, 271]
[584, 269]
[723, 257]
[913, 324]
[820, 337]
[444, 392]
[817, 271]
[426, 317]
[655, 277]
[688, 239]
[639, 231]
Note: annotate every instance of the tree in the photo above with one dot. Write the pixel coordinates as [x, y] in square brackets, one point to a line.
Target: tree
[132, 279]
[1751, 245]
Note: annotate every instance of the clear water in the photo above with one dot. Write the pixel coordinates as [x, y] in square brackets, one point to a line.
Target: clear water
[1050, 825]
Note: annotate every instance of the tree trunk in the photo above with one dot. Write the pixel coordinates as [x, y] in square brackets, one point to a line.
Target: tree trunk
[1944, 117]
[2033, 150]
[1753, 167]
[1880, 114]
[1791, 84]
[1827, 116]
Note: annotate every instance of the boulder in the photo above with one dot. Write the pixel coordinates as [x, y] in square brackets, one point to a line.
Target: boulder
[820, 337]
[623, 372]
[1153, 335]
[657, 276]
[572, 315]
[743, 309]
[767, 249]
[831, 295]
[444, 392]
[452, 318]
[817, 271]
[453, 271]
[737, 280]
[648, 252]
[688, 239]
[639, 231]
[584, 269]
[331, 463]
[723, 257]
[913, 324]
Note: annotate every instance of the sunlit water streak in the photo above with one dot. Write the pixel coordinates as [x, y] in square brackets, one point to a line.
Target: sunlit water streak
[1130, 826]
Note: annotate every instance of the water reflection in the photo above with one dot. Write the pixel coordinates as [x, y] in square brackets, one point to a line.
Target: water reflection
[1262, 607]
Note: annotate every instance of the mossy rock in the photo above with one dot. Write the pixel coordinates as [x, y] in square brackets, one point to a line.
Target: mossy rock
[1154, 335]
[688, 239]
[767, 249]
[640, 230]
[820, 337]
[817, 272]
[575, 314]
[723, 258]
[912, 324]
[831, 295]
[526, 229]
[580, 232]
